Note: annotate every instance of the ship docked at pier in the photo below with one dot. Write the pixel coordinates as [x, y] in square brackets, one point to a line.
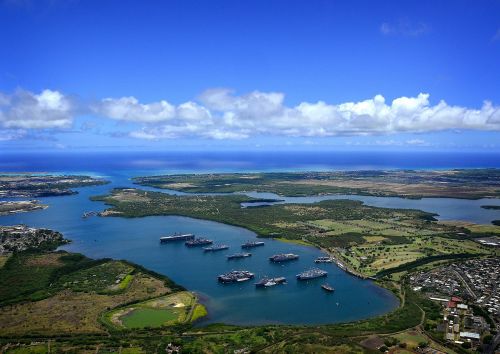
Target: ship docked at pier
[312, 274]
[283, 257]
[235, 276]
[177, 237]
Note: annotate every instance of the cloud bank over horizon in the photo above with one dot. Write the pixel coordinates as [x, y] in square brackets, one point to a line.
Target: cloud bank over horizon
[219, 113]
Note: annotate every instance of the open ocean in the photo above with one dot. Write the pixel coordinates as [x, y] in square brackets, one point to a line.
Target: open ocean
[243, 161]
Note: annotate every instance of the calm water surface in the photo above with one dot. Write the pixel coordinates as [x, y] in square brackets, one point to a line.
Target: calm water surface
[137, 240]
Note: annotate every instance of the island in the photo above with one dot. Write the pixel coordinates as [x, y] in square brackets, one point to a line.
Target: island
[43, 185]
[10, 207]
[457, 183]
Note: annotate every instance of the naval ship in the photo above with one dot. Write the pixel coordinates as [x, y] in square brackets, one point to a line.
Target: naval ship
[312, 274]
[251, 244]
[215, 248]
[235, 276]
[176, 237]
[268, 282]
[238, 256]
[284, 257]
[198, 242]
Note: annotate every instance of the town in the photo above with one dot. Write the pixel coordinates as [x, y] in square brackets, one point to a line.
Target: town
[470, 297]
[21, 237]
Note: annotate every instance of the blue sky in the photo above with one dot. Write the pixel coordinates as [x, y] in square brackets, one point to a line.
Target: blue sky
[249, 74]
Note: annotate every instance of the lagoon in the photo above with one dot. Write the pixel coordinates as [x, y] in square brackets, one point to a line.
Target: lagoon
[137, 240]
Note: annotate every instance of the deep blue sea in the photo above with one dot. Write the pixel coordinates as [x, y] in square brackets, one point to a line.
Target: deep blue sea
[137, 239]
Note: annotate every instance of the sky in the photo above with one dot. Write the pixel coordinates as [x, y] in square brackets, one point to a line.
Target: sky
[249, 75]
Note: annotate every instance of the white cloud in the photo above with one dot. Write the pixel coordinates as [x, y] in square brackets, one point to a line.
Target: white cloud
[221, 114]
[9, 134]
[225, 115]
[129, 108]
[26, 110]
[404, 27]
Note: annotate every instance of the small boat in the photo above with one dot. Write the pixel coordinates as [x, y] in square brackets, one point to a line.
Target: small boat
[328, 288]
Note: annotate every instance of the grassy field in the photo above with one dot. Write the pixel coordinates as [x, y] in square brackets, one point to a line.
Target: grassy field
[66, 293]
[180, 307]
[368, 239]
[471, 184]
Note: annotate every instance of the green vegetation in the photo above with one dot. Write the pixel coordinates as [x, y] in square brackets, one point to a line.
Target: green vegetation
[28, 275]
[148, 317]
[199, 311]
[469, 184]
[107, 277]
[57, 292]
[180, 307]
[369, 240]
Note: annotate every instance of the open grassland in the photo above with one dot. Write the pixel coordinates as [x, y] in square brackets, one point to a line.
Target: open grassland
[67, 293]
[470, 184]
[373, 257]
[367, 239]
[180, 307]
[475, 229]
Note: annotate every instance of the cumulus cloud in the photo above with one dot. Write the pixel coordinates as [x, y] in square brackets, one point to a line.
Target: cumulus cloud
[223, 115]
[27, 110]
[404, 27]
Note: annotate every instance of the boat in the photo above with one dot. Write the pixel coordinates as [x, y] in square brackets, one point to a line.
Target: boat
[328, 287]
[283, 257]
[176, 237]
[235, 276]
[268, 282]
[238, 256]
[312, 274]
[198, 242]
[215, 248]
[323, 260]
[251, 244]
